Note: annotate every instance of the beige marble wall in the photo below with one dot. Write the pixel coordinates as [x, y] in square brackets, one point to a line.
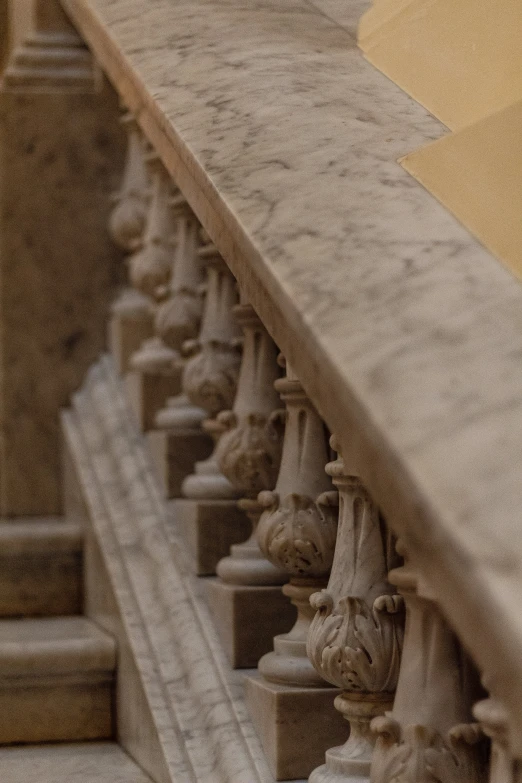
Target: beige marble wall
[21, 18]
[16, 21]
[60, 158]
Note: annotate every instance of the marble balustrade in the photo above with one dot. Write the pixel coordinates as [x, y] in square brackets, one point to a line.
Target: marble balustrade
[321, 576]
[315, 525]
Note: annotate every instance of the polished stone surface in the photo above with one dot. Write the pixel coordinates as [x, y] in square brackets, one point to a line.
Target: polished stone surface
[93, 762]
[54, 645]
[40, 567]
[405, 332]
[56, 680]
[58, 270]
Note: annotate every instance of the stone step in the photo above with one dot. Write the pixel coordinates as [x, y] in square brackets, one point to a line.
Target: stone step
[93, 762]
[40, 567]
[57, 680]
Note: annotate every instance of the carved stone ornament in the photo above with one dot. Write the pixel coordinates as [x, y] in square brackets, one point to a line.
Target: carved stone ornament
[493, 719]
[429, 736]
[178, 316]
[128, 218]
[298, 528]
[249, 449]
[150, 266]
[211, 373]
[356, 635]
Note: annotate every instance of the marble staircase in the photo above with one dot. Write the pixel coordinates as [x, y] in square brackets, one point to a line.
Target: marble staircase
[93, 762]
[57, 668]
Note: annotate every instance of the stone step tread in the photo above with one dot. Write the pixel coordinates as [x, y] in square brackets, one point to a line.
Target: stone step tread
[39, 534]
[92, 762]
[54, 645]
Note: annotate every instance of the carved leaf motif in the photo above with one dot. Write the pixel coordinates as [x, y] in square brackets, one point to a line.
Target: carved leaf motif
[355, 647]
[249, 455]
[298, 535]
[210, 377]
[416, 754]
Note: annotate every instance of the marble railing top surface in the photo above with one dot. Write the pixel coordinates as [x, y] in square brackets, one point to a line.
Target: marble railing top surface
[406, 333]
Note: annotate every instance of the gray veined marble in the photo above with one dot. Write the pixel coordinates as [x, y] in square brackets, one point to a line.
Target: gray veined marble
[405, 332]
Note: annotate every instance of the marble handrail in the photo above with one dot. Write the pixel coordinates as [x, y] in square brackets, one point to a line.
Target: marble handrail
[404, 331]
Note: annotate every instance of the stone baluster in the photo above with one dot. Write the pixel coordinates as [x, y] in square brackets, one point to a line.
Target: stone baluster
[248, 605]
[131, 316]
[429, 735]
[208, 514]
[290, 703]
[493, 719]
[177, 441]
[356, 635]
[178, 316]
[53, 55]
[153, 375]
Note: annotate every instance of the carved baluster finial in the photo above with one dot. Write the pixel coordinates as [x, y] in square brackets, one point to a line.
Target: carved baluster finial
[249, 449]
[297, 529]
[211, 373]
[356, 635]
[429, 735]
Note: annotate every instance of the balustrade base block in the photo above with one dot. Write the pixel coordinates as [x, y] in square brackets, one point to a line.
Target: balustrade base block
[125, 335]
[147, 394]
[209, 528]
[174, 454]
[247, 619]
[296, 726]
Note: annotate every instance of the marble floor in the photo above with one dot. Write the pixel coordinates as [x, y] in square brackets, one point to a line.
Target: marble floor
[88, 762]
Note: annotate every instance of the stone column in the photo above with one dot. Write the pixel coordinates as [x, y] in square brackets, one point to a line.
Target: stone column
[153, 376]
[290, 703]
[131, 316]
[247, 603]
[208, 514]
[54, 248]
[429, 734]
[356, 635]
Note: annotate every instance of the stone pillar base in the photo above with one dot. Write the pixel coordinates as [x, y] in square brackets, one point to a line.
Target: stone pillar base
[127, 331]
[148, 392]
[174, 454]
[210, 528]
[247, 619]
[296, 726]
